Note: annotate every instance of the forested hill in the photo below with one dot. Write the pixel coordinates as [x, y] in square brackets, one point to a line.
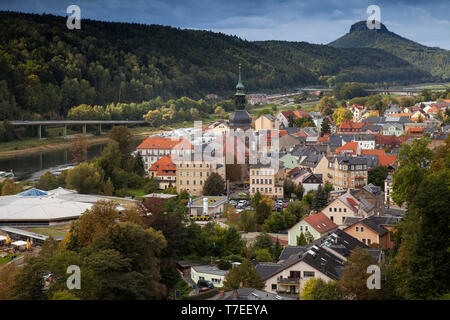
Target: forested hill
[46, 69]
[434, 60]
[361, 65]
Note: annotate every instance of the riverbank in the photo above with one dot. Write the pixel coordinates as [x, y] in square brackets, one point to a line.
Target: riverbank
[30, 146]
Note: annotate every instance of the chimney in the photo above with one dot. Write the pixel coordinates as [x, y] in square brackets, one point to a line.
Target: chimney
[222, 294]
[234, 295]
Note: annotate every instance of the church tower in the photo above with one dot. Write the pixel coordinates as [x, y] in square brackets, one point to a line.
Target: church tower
[240, 119]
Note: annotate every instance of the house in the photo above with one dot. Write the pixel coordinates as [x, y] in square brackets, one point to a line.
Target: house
[383, 159]
[210, 206]
[317, 225]
[185, 267]
[208, 273]
[219, 128]
[284, 116]
[292, 274]
[348, 126]
[248, 294]
[392, 109]
[154, 147]
[372, 194]
[373, 230]
[267, 122]
[365, 141]
[418, 116]
[349, 149]
[357, 111]
[267, 180]
[372, 128]
[164, 170]
[346, 205]
[288, 141]
[311, 161]
[392, 129]
[309, 181]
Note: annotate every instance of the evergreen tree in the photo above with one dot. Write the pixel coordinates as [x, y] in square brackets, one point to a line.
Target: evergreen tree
[214, 185]
[245, 274]
[138, 166]
[301, 240]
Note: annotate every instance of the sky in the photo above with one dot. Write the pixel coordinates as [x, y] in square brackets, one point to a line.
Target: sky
[314, 21]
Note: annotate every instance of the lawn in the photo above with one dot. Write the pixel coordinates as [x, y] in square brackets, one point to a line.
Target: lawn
[8, 258]
[52, 231]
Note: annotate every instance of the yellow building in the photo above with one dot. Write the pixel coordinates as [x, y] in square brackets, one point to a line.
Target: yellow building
[192, 174]
[267, 122]
[267, 180]
[346, 172]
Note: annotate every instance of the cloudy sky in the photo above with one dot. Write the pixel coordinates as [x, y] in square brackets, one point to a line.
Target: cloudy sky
[315, 21]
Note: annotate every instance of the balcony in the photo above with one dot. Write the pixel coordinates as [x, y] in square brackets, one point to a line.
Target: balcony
[288, 281]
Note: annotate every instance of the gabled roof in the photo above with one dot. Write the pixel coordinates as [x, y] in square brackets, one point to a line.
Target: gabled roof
[165, 163]
[320, 222]
[376, 223]
[349, 146]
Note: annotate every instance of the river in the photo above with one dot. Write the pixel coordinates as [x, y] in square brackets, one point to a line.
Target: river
[33, 165]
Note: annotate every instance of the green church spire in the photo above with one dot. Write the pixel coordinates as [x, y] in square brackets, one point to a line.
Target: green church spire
[240, 86]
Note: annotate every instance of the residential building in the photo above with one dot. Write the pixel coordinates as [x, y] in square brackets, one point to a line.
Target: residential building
[348, 126]
[191, 173]
[392, 109]
[347, 172]
[357, 111]
[372, 194]
[154, 147]
[164, 170]
[346, 205]
[392, 129]
[267, 180]
[288, 161]
[317, 225]
[208, 273]
[373, 230]
[267, 122]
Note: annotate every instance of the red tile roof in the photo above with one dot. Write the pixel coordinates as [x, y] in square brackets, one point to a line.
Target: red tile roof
[164, 164]
[320, 222]
[347, 124]
[165, 143]
[386, 160]
[352, 146]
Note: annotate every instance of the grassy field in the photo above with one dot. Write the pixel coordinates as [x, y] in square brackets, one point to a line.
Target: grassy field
[8, 258]
[51, 231]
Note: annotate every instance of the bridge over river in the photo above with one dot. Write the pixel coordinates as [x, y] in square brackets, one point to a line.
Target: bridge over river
[65, 123]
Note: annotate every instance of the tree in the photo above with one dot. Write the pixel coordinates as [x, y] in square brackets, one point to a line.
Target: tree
[108, 190]
[301, 240]
[378, 175]
[214, 185]
[288, 188]
[29, 282]
[152, 185]
[85, 178]
[341, 114]
[138, 166]
[220, 112]
[318, 289]
[122, 135]
[353, 283]
[263, 255]
[78, 149]
[245, 274]
[263, 210]
[256, 199]
[9, 187]
[247, 222]
[325, 126]
[309, 237]
[320, 199]
[299, 191]
[263, 241]
[64, 295]
[326, 106]
[47, 182]
[413, 160]
[7, 279]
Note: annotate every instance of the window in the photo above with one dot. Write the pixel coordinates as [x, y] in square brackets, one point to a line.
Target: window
[362, 229]
[306, 228]
[364, 241]
[330, 209]
[201, 278]
[369, 241]
[335, 210]
[340, 209]
[357, 229]
[308, 273]
[301, 228]
[274, 287]
[332, 218]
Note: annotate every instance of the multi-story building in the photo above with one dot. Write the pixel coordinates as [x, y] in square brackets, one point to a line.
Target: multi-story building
[357, 112]
[267, 122]
[267, 180]
[192, 173]
[347, 172]
[153, 148]
[164, 170]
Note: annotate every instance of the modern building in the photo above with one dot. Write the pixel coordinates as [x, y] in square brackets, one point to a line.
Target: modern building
[208, 273]
[210, 206]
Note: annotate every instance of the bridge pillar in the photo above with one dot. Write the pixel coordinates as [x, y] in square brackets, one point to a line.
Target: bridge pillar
[84, 129]
[40, 131]
[65, 130]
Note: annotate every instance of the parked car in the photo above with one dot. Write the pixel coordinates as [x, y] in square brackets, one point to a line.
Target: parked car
[233, 203]
[204, 284]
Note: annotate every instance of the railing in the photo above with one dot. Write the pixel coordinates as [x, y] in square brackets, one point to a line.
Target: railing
[289, 280]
